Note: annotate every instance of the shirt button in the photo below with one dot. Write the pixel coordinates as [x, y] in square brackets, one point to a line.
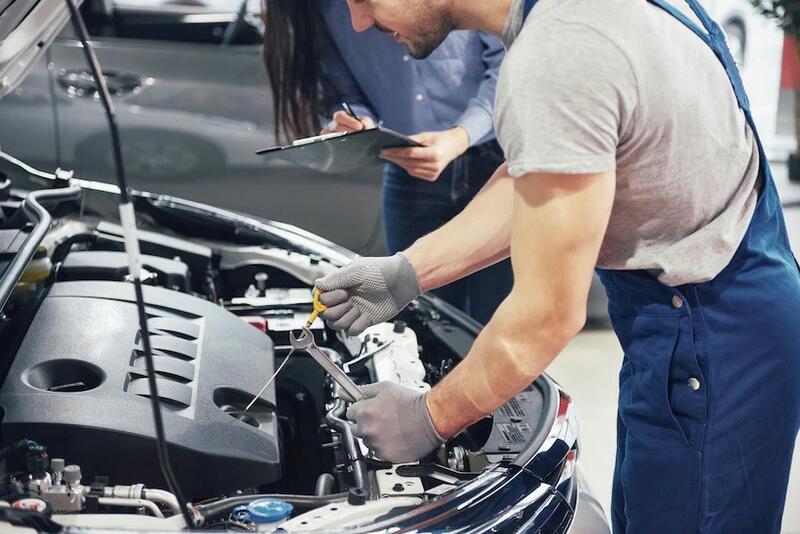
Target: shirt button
[677, 302]
[406, 58]
[420, 98]
[694, 384]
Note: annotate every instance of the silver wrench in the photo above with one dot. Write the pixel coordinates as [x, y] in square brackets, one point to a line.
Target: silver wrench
[306, 342]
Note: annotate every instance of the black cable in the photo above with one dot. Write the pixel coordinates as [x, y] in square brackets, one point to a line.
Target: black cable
[161, 442]
[105, 98]
[63, 249]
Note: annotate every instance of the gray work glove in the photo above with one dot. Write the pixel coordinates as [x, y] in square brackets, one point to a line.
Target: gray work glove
[368, 291]
[394, 422]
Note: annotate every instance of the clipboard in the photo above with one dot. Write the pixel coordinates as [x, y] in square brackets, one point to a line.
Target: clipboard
[339, 152]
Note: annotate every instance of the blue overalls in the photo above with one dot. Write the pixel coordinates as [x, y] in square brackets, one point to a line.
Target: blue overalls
[709, 403]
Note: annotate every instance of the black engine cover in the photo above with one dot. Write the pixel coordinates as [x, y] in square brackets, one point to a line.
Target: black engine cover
[78, 386]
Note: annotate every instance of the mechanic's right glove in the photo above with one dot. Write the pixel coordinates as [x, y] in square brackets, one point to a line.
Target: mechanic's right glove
[394, 422]
[368, 291]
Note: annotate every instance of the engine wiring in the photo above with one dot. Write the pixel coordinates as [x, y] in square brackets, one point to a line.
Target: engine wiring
[58, 175]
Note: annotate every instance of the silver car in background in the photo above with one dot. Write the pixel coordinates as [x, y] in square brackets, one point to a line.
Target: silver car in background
[194, 105]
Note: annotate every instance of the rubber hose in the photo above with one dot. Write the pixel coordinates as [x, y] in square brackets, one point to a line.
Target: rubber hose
[326, 484]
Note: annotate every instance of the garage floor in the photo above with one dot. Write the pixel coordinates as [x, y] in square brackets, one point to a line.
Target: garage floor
[588, 370]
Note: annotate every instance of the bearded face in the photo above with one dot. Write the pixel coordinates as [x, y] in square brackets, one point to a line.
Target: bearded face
[421, 25]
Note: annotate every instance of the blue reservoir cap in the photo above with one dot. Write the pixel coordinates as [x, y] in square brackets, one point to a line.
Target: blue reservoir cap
[269, 510]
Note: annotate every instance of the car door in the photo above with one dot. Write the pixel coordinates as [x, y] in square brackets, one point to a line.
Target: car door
[192, 113]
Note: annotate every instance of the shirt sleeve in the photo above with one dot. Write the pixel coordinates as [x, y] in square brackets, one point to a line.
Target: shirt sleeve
[339, 84]
[566, 95]
[477, 118]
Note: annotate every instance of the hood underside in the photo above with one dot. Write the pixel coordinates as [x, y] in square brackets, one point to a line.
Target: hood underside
[26, 29]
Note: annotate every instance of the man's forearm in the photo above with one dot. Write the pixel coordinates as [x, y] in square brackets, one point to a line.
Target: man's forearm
[478, 237]
[507, 356]
[554, 253]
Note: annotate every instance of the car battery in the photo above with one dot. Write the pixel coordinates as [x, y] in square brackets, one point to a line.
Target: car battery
[284, 310]
[281, 322]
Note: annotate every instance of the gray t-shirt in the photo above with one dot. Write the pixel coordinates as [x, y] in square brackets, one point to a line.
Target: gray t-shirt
[594, 86]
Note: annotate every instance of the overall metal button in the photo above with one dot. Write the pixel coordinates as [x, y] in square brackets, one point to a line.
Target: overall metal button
[694, 384]
[677, 302]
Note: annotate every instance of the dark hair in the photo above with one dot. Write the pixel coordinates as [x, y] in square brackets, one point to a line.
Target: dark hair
[292, 41]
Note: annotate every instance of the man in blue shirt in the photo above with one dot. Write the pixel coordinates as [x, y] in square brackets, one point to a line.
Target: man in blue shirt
[445, 102]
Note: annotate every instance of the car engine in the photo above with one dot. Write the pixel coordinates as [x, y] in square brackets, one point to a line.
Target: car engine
[77, 426]
[209, 365]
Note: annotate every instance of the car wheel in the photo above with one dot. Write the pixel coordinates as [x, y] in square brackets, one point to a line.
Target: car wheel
[156, 155]
[737, 40]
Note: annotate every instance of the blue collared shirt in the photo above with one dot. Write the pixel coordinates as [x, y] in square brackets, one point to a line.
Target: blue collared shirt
[454, 86]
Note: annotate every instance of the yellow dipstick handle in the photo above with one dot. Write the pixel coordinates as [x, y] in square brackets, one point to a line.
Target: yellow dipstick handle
[318, 308]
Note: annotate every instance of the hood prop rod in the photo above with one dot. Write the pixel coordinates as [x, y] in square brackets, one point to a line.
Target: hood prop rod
[128, 221]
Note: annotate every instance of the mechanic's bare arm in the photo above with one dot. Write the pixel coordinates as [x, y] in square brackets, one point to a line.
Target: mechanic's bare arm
[476, 238]
[559, 222]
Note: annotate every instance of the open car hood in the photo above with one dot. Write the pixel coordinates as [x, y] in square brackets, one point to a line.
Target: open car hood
[26, 29]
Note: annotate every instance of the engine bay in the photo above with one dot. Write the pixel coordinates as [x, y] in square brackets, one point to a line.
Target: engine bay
[77, 426]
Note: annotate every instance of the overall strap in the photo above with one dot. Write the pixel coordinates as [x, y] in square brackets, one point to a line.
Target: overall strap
[768, 200]
[714, 37]
[676, 13]
[528, 7]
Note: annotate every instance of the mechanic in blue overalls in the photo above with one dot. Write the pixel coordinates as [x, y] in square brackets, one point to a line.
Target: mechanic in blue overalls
[630, 147]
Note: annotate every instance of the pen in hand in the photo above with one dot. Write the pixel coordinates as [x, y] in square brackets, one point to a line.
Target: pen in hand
[366, 122]
[350, 111]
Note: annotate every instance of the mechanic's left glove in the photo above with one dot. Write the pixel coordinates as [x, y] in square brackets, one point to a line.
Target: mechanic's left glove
[394, 422]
